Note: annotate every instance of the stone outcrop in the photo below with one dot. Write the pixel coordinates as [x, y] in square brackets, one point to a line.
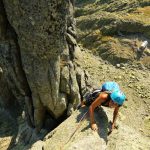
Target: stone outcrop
[38, 51]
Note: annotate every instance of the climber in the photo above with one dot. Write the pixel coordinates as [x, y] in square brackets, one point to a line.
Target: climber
[112, 100]
[89, 97]
[108, 95]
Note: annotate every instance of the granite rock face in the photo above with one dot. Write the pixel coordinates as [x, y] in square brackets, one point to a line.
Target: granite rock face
[38, 57]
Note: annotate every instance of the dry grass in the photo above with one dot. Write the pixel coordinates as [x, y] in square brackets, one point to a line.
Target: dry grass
[144, 11]
[140, 14]
[107, 39]
[110, 28]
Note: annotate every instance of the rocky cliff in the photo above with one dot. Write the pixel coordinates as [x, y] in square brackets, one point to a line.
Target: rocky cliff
[44, 73]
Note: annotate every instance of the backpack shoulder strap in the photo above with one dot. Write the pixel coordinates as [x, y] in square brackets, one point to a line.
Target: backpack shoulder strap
[108, 99]
[108, 92]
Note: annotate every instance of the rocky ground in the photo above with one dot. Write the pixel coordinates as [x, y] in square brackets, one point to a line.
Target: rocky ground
[134, 119]
[112, 31]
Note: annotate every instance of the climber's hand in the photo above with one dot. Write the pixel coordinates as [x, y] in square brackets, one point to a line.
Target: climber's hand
[113, 126]
[94, 127]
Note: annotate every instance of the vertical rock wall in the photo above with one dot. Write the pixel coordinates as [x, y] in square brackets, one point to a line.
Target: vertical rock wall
[39, 58]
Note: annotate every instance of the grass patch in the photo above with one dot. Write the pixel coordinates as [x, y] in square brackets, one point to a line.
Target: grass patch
[108, 28]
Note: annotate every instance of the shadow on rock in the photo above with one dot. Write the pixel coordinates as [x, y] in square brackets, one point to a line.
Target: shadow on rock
[8, 129]
[102, 122]
[100, 118]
